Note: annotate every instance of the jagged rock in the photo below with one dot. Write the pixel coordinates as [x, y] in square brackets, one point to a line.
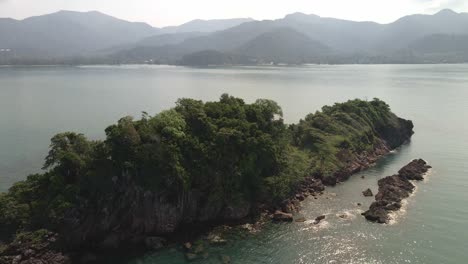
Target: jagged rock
[377, 212]
[154, 243]
[280, 216]
[414, 170]
[367, 193]
[393, 189]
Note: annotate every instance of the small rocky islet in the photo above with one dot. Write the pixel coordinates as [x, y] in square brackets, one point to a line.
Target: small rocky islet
[393, 189]
[194, 165]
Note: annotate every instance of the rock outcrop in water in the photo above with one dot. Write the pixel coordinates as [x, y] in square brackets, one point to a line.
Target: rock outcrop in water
[393, 189]
[367, 193]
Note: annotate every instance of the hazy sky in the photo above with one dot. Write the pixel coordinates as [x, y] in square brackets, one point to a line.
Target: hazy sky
[174, 12]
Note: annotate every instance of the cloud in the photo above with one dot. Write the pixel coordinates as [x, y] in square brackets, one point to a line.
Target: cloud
[436, 5]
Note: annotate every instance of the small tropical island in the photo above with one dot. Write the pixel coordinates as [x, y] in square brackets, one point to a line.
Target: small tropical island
[198, 164]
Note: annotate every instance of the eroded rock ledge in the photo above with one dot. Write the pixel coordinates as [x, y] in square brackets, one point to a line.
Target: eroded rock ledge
[393, 189]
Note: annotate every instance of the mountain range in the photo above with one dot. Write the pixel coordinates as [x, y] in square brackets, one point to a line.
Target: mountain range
[93, 37]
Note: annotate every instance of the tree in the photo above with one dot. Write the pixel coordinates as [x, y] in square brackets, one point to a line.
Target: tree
[69, 153]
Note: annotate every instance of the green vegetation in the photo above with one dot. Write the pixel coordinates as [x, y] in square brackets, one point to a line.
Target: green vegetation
[336, 135]
[230, 151]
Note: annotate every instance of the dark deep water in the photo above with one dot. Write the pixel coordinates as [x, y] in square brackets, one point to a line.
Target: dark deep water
[38, 102]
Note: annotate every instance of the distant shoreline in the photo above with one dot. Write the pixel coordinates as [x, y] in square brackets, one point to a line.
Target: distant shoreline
[217, 66]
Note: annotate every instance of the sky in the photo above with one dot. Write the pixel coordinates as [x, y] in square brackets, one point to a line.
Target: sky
[161, 13]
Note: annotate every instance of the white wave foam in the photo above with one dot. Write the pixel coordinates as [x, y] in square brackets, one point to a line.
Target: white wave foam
[316, 227]
[348, 215]
[427, 174]
[396, 215]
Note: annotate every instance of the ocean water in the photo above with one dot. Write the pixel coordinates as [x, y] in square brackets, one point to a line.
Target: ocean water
[38, 102]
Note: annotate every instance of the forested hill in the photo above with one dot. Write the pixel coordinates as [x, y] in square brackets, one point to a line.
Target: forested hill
[197, 162]
[94, 38]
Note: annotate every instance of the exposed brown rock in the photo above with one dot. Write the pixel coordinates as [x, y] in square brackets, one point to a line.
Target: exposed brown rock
[393, 189]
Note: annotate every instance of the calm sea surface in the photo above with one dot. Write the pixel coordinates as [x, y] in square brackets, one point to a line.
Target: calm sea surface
[36, 103]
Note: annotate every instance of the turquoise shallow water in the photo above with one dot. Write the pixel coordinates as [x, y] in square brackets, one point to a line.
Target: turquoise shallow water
[36, 103]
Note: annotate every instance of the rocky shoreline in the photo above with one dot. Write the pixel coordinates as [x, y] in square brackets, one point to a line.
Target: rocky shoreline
[393, 189]
[38, 247]
[314, 186]
[311, 186]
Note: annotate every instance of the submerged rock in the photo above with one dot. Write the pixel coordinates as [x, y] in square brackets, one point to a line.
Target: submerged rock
[393, 189]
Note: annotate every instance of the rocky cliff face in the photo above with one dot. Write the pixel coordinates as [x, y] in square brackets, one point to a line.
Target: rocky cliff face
[130, 214]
